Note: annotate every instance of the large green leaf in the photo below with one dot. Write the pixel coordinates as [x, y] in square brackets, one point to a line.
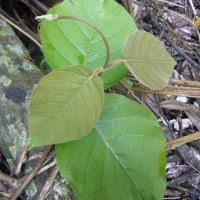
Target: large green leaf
[148, 60]
[65, 106]
[122, 158]
[67, 42]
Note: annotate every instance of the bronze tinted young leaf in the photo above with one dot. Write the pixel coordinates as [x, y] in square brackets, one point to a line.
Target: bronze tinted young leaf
[65, 106]
[148, 60]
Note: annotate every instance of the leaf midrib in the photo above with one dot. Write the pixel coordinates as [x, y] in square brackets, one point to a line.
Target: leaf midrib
[118, 160]
[53, 117]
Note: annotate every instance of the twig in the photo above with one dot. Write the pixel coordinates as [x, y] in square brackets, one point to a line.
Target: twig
[4, 194]
[184, 83]
[169, 136]
[35, 156]
[174, 4]
[193, 92]
[47, 167]
[48, 184]
[180, 141]
[180, 127]
[129, 90]
[190, 60]
[182, 189]
[8, 180]
[130, 8]
[190, 156]
[141, 6]
[41, 6]
[22, 31]
[187, 177]
[188, 20]
[31, 7]
[23, 25]
[30, 176]
[193, 8]
[168, 27]
[51, 155]
[21, 161]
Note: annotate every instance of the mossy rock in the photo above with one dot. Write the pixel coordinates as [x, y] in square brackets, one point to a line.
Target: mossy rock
[18, 77]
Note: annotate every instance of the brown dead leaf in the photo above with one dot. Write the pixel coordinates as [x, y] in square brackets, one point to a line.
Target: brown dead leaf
[193, 112]
[151, 102]
[197, 23]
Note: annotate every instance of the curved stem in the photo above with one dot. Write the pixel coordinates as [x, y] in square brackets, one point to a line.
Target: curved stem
[58, 17]
[110, 64]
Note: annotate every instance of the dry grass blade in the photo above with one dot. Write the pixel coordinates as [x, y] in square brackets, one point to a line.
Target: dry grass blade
[48, 184]
[183, 140]
[185, 83]
[175, 105]
[192, 92]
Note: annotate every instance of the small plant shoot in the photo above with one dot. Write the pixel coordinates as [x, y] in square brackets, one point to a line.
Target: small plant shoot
[68, 42]
[65, 105]
[112, 149]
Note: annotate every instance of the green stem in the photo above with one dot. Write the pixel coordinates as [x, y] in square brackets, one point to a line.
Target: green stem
[115, 62]
[96, 29]
[110, 64]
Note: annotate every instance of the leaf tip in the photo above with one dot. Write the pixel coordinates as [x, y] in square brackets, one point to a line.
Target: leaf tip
[32, 143]
[174, 63]
[30, 147]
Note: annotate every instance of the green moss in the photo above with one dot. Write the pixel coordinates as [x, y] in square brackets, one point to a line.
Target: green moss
[5, 81]
[18, 142]
[31, 190]
[60, 188]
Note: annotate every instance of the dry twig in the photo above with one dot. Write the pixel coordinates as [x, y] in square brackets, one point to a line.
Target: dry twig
[30, 176]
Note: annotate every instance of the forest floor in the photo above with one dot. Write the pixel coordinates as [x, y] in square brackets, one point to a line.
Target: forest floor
[177, 25]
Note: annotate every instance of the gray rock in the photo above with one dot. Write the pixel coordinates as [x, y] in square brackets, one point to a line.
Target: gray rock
[18, 77]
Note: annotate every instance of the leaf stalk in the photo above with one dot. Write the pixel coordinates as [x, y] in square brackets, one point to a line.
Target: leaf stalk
[59, 17]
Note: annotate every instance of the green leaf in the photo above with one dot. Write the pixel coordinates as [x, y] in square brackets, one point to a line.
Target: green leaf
[65, 106]
[148, 60]
[122, 158]
[67, 42]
